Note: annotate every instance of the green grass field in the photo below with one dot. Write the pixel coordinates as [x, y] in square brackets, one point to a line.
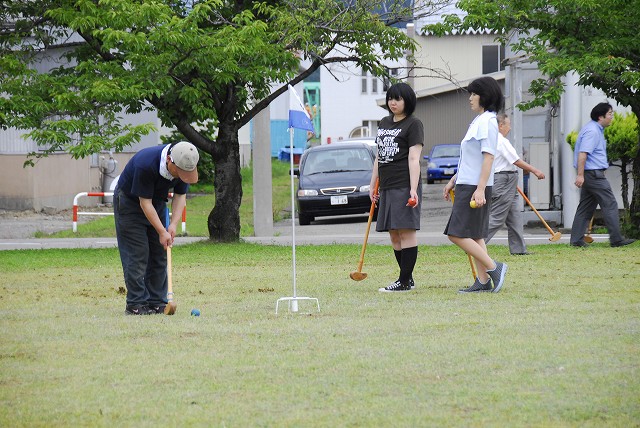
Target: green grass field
[558, 347]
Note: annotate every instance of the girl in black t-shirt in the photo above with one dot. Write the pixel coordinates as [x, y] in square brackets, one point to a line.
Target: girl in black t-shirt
[400, 140]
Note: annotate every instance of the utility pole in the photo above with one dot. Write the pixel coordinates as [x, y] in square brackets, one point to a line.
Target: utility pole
[262, 181]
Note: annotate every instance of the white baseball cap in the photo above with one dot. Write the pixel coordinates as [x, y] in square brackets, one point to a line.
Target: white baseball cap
[185, 156]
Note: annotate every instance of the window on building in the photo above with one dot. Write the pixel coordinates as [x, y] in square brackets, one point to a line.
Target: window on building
[372, 126]
[369, 128]
[364, 82]
[492, 58]
[359, 132]
[391, 72]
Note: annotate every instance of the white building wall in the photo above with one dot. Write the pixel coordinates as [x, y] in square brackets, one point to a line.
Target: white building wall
[344, 104]
[457, 55]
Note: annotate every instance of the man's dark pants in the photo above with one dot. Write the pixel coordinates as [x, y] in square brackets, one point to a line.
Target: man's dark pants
[144, 260]
[595, 191]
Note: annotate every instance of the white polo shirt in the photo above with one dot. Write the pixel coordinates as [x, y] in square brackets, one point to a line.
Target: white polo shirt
[505, 156]
[481, 137]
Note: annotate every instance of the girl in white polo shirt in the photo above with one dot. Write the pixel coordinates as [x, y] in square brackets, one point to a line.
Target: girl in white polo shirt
[467, 226]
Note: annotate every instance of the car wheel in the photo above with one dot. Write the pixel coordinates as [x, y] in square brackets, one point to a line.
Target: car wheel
[305, 220]
[430, 181]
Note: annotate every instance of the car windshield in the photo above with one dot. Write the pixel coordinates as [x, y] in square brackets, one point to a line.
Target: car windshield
[339, 160]
[446, 152]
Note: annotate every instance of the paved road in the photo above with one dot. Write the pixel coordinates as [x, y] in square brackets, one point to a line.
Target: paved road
[47, 243]
[326, 230]
[351, 229]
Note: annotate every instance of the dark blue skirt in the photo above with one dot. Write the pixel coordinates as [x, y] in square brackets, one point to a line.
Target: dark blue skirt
[467, 222]
[393, 214]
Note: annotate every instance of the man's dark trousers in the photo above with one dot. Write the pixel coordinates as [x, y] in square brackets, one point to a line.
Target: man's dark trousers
[595, 191]
[144, 260]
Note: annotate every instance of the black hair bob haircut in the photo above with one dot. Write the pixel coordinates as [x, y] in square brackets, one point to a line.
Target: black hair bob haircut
[491, 98]
[404, 91]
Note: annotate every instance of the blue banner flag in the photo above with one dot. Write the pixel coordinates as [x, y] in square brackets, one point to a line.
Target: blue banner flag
[298, 115]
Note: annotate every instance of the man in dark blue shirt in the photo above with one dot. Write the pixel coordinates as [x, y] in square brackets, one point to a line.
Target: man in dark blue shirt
[590, 160]
[139, 206]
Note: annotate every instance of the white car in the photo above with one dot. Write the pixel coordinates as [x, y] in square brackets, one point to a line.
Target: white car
[368, 140]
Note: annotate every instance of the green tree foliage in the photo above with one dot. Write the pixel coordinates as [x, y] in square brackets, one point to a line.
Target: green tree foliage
[207, 67]
[596, 39]
[622, 138]
[572, 138]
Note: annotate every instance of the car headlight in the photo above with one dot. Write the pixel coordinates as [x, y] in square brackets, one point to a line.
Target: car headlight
[364, 188]
[432, 165]
[307, 192]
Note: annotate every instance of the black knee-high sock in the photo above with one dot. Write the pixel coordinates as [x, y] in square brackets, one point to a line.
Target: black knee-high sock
[398, 254]
[408, 262]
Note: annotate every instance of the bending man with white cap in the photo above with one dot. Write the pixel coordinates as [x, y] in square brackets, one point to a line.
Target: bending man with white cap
[139, 205]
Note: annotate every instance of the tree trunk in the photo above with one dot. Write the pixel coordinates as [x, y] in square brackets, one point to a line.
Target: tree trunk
[634, 211]
[224, 224]
[624, 173]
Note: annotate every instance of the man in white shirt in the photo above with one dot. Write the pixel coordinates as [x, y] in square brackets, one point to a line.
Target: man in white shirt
[505, 208]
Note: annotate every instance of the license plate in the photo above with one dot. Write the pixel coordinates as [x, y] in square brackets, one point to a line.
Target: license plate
[339, 200]
[449, 171]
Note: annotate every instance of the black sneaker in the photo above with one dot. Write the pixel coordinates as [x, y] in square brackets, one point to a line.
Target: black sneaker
[497, 275]
[478, 287]
[156, 309]
[623, 242]
[137, 310]
[396, 286]
[579, 244]
[412, 284]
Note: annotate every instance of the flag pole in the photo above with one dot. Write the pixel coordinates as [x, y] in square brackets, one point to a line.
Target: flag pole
[298, 118]
[294, 302]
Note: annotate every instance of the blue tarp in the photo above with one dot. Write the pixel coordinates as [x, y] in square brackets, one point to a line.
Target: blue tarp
[285, 154]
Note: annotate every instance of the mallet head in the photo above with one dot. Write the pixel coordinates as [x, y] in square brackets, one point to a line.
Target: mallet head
[170, 309]
[357, 276]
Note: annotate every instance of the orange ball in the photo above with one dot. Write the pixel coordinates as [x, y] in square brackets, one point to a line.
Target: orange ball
[412, 202]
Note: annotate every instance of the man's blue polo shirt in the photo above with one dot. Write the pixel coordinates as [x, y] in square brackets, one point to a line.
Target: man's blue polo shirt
[591, 141]
[141, 176]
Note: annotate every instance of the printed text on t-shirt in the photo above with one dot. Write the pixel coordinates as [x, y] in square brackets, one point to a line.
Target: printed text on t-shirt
[389, 147]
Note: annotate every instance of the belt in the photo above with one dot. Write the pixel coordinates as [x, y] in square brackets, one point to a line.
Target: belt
[507, 172]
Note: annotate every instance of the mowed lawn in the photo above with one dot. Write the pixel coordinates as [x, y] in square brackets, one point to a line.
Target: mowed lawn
[558, 347]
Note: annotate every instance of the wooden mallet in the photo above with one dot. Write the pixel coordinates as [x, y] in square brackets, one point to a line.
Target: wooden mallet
[588, 239]
[358, 275]
[171, 307]
[554, 235]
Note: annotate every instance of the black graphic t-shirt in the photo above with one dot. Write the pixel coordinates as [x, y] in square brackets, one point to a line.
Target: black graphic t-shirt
[394, 140]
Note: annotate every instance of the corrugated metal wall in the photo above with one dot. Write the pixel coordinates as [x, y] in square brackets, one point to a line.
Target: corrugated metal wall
[12, 143]
[445, 116]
